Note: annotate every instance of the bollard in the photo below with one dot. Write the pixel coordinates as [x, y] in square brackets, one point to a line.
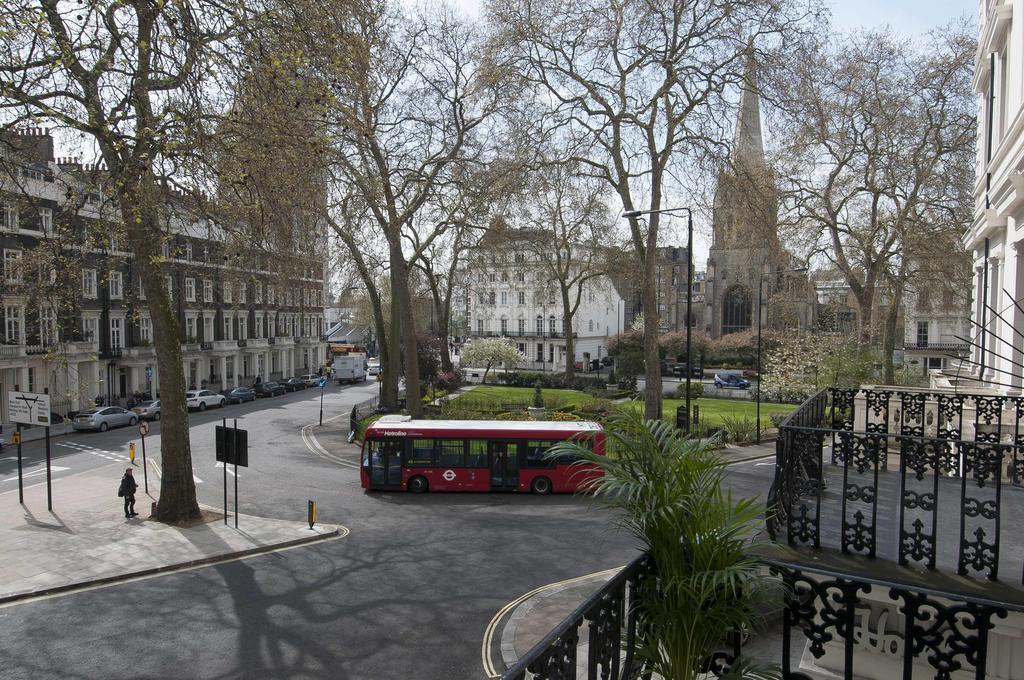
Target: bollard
[311, 513]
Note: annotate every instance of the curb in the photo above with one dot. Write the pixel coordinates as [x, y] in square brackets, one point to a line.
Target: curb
[178, 566]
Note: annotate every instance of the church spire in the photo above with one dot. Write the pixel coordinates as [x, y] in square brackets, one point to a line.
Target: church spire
[748, 147]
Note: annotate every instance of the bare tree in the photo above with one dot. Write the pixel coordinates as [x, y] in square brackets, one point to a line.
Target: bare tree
[568, 230]
[402, 111]
[132, 77]
[634, 88]
[876, 169]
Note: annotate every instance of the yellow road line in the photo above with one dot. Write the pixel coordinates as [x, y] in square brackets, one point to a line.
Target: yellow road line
[488, 641]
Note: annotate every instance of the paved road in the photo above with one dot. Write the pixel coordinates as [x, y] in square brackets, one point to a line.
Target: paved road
[407, 594]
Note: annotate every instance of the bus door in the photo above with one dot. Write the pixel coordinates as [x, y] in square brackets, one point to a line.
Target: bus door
[386, 465]
[504, 466]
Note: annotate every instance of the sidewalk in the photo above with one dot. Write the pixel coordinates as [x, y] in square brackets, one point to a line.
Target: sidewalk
[87, 541]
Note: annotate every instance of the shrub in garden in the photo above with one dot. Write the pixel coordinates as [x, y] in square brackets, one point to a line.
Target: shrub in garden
[739, 429]
[538, 396]
[449, 381]
[696, 390]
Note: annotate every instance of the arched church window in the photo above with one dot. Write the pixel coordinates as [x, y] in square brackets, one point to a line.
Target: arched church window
[736, 310]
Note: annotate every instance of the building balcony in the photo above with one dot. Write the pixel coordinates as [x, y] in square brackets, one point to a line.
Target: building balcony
[257, 343]
[271, 341]
[954, 347]
[242, 342]
[190, 347]
[284, 340]
[893, 526]
[206, 346]
[110, 354]
[140, 352]
[517, 334]
[222, 345]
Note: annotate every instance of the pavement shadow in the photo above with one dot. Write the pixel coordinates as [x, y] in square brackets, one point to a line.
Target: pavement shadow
[32, 522]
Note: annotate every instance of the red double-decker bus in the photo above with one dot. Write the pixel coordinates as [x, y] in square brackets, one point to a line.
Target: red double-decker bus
[474, 455]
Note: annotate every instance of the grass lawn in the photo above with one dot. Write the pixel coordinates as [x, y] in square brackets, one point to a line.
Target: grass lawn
[500, 394]
[712, 410]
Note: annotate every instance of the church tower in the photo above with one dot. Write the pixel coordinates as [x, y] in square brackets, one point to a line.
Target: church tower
[745, 244]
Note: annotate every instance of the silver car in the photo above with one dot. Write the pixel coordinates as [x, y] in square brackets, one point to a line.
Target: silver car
[103, 418]
[148, 410]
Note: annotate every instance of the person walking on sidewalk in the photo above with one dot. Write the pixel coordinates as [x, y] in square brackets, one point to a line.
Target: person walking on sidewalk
[127, 490]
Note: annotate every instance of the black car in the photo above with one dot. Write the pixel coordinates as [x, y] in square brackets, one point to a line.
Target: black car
[679, 371]
[608, 361]
[294, 384]
[270, 389]
[239, 395]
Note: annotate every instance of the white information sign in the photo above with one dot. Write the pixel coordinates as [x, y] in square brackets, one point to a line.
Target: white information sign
[29, 408]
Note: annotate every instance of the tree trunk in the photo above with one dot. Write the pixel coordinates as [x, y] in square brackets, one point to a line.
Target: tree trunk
[407, 332]
[889, 339]
[570, 343]
[177, 502]
[652, 361]
[443, 321]
[393, 356]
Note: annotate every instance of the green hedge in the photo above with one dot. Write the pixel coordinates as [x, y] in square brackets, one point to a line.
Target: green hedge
[551, 380]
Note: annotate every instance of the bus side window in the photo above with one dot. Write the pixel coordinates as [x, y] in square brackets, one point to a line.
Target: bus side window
[477, 457]
[423, 453]
[535, 454]
[452, 453]
[368, 450]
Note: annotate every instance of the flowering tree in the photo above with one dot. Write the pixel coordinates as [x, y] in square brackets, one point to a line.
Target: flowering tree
[489, 352]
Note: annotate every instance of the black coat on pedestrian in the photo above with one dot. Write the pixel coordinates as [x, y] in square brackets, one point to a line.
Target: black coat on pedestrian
[128, 485]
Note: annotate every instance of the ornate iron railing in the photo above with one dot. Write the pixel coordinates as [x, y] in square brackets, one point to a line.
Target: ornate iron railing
[610, 616]
[867, 483]
[853, 624]
[914, 477]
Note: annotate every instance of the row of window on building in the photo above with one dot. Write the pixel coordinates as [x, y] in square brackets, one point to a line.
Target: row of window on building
[310, 297]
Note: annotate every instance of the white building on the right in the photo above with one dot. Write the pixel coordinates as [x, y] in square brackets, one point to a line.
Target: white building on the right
[995, 239]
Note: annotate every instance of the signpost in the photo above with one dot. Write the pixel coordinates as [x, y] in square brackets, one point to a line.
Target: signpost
[143, 431]
[232, 449]
[323, 384]
[29, 408]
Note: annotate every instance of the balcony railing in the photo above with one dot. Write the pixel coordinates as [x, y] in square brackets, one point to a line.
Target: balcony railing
[955, 347]
[516, 334]
[242, 342]
[206, 346]
[914, 477]
[221, 345]
[853, 625]
[11, 351]
[897, 520]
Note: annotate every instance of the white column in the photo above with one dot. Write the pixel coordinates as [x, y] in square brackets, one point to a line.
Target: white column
[1017, 316]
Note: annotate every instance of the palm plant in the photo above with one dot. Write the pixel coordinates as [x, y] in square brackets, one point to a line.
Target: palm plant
[669, 490]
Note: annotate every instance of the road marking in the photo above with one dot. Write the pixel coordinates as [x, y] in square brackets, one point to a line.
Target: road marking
[488, 641]
[230, 471]
[309, 439]
[34, 473]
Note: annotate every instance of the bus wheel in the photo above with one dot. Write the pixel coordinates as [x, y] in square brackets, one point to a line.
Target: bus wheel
[541, 486]
[417, 484]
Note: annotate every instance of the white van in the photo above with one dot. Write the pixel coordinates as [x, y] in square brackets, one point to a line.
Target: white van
[349, 369]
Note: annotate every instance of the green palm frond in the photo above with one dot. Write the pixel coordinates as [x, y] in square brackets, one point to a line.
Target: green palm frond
[668, 489]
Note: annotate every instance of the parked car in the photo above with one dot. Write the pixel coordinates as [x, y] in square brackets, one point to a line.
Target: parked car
[295, 384]
[204, 399]
[749, 373]
[679, 370]
[147, 410]
[270, 389]
[373, 367]
[732, 381]
[239, 395]
[608, 361]
[103, 419]
[311, 379]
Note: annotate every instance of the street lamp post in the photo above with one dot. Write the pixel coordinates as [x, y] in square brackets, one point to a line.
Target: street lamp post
[757, 392]
[689, 293]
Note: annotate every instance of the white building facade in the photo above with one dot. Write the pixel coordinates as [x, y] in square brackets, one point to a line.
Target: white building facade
[78, 327]
[995, 239]
[512, 296]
